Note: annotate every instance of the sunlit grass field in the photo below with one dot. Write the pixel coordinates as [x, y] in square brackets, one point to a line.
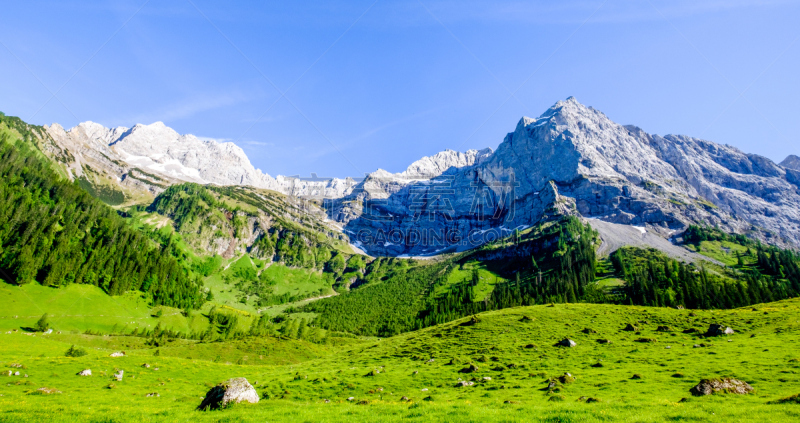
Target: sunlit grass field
[513, 347]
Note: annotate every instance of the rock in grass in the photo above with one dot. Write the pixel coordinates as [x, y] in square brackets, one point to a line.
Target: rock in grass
[118, 375]
[725, 385]
[87, 372]
[591, 400]
[152, 394]
[636, 376]
[566, 342]
[117, 354]
[664, 329]
[630, 328]
[234, 390]
[718, 330]
[588, 330]
[464, 383]
[603, 341]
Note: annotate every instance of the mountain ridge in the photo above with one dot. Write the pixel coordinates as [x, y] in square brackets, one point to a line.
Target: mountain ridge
[611, 172]
[598, 169]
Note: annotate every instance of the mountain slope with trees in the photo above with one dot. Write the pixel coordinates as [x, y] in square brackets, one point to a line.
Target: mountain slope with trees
[54, 233]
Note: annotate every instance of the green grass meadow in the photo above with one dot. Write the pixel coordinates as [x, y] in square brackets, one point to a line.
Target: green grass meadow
[514, 348]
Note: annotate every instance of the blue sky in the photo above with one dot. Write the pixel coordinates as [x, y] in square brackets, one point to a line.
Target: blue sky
[371, 84]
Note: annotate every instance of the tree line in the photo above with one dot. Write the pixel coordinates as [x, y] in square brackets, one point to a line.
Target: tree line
[653, 279]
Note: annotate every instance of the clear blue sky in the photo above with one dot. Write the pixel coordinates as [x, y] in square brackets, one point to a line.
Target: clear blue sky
[380, 84]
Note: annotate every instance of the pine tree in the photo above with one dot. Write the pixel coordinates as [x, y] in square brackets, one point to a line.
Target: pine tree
[43, 324]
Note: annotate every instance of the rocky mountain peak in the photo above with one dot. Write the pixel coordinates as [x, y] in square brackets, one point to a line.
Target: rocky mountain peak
[600, 170]
[570, 141]
[791, 162]
[432, 166]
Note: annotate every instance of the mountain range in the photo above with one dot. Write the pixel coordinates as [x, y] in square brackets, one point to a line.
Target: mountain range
[570, 160]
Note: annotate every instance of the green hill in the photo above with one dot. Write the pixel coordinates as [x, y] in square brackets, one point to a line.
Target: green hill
[637, 376]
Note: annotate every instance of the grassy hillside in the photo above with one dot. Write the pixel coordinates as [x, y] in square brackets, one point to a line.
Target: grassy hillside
[638, 376]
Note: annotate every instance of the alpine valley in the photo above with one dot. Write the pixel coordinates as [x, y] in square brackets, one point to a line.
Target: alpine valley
[583, 271]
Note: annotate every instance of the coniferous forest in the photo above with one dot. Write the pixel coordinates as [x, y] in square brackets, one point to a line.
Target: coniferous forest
[762, 274]
[54, 233]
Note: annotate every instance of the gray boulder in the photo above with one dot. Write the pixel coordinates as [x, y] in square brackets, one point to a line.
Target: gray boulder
[234, 390]
[566, 342]
[87, 372]
[725, 385]
[718, 330]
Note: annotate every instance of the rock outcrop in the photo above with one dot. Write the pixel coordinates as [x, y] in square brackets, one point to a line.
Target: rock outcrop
[725, 385]
[231, 391]
[718, 330]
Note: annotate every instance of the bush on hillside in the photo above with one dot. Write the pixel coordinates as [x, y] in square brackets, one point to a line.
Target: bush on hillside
[75, 352]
